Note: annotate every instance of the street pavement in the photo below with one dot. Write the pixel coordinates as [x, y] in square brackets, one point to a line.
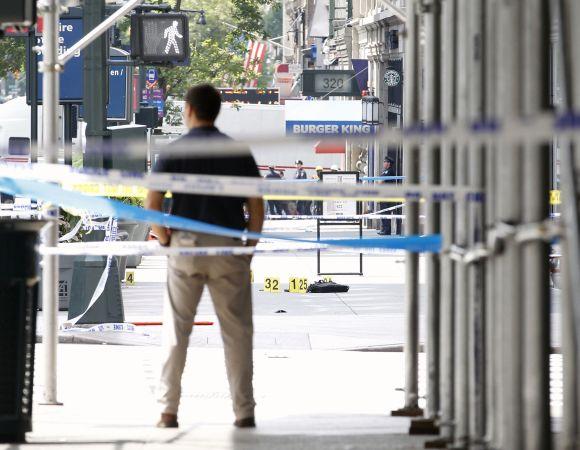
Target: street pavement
[306, 400]
[311, 393]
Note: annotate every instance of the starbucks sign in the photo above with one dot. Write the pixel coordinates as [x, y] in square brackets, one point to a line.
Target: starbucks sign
[392, 78]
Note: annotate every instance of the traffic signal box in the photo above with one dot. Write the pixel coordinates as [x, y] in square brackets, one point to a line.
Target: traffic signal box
[160, 38]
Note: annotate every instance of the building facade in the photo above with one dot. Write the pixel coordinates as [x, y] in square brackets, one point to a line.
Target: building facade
[366, 36]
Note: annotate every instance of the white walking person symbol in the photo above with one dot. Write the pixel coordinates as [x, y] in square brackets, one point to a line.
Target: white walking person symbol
[170, 33]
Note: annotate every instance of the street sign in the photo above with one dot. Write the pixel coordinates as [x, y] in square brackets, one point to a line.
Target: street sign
[326, 83]
[119, 87]
[340, 207]
[152, 78]
[70, 30]
[155, 97]
[160, 38]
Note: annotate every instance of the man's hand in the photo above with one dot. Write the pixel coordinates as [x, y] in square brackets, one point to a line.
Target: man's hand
[154, 201]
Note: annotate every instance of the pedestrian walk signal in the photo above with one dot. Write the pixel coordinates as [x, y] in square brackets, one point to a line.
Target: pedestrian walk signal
[160, 38]
[17, 13]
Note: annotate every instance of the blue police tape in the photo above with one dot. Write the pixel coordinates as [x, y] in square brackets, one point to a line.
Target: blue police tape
[112, 208]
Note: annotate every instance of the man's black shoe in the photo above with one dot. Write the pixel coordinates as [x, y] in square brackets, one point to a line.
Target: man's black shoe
[247, 422]
[382, 233]
[168, 421]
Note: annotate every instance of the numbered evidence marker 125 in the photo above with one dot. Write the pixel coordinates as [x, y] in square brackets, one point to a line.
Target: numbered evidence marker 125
[298, 285]
[272, 284]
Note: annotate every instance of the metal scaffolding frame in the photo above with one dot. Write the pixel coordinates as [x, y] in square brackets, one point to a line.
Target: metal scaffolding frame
[488, 296]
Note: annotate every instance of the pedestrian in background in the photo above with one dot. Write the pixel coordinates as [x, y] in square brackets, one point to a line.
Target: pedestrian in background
[389, 171]
[275, 207]
[317, 204]
[303, 206]
[227, 277]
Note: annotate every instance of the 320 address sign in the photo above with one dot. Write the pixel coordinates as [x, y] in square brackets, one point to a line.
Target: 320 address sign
[319, 83]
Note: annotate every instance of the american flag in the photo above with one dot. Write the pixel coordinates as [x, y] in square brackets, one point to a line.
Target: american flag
[255, 54]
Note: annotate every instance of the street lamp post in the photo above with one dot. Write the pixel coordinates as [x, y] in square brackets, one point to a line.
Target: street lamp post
[371, 109]
[371, 115]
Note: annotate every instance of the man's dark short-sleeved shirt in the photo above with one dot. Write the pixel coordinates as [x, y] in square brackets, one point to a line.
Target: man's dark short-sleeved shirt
[216, 210]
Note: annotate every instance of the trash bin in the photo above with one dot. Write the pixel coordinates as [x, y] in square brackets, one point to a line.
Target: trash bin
[65, 274]
[19, 274]
[86, 277]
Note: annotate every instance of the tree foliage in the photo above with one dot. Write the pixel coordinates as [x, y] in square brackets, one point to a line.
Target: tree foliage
[12, 55]
[218, 48]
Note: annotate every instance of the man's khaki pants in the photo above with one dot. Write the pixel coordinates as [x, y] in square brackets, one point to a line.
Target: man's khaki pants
[228, 281]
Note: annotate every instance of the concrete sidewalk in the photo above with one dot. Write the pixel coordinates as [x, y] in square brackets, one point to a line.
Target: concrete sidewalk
[306, 400]
[370, 315]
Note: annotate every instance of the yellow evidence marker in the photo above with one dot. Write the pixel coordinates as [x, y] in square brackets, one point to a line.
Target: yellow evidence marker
[272, 285]
[298, 285]
[130, 278]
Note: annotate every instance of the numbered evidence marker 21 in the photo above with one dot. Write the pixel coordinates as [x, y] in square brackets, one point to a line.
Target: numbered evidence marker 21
[129, 278]
[298, 285]
[272, 284]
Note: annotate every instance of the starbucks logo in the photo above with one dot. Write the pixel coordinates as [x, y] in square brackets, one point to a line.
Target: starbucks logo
[392, 78]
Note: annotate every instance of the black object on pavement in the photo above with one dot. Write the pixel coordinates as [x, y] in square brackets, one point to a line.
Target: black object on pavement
[19, 275]
[323, 287]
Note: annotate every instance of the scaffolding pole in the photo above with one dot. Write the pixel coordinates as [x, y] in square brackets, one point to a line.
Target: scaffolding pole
[461, 395]
[476, 304]
[536, 209]
[509, 171]
[411, 172]
[50, 85]
[568, 60]
[432, 98]
[447, 333]
[492, 408]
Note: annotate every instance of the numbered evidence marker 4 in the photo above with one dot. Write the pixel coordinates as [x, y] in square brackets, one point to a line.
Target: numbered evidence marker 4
[272, 285]
[129, 278]
[298, 285]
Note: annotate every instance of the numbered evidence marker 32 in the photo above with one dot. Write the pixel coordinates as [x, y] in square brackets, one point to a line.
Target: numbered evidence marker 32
[272, 284]
[298, 285]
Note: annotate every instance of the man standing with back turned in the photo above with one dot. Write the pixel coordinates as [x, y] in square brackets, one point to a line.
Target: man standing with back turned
[227, 277]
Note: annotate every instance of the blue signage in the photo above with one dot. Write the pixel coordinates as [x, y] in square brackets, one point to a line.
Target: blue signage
[119, 77]
[155, 97]
[152, 76]
[332, 127]
[70, 30]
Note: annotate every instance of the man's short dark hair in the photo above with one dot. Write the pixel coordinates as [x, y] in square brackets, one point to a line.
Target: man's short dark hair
[205, 101]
